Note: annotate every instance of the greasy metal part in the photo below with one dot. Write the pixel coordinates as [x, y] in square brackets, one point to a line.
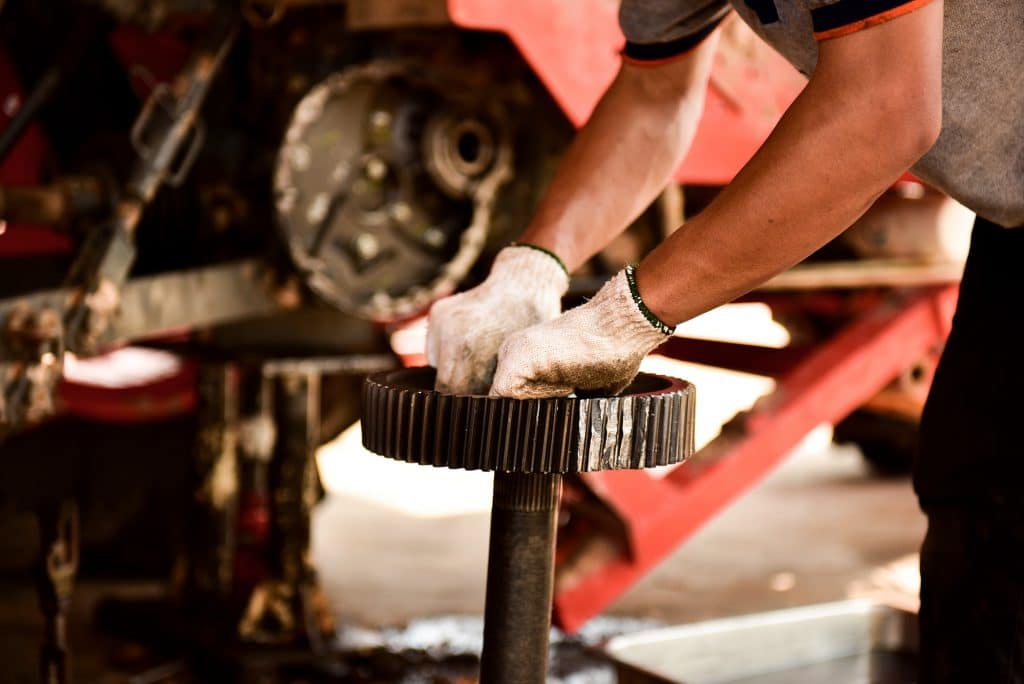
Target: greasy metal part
[212, 542]
[649, 425]
[55, 205]
[77, 317]
[31, 327]
[196, 298]
[457, 151]
[520, 578]
[168, 124]
[530, 444]
[149, 306]
[55, 576]
[288, 606]
[372, 229]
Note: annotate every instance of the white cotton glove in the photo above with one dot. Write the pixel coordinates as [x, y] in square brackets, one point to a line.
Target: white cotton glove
[596, 347]
[464, 331]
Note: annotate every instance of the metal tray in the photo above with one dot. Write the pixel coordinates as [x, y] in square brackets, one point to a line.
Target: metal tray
[834, 643]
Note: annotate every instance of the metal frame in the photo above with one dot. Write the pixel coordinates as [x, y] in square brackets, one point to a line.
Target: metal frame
[649, 516]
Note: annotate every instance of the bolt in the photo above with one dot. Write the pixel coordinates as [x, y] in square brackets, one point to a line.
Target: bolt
[341, 171]
[318, 208]
[401, 212]
[367, 246]
[301, 157]
[380, 121]
[434, 237]
[375, 169]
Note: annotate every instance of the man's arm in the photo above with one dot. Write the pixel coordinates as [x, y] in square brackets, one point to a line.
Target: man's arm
[624, 155]
[872, 109]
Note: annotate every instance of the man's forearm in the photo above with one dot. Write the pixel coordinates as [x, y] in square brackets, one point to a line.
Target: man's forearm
[623, 157]
[847, 137]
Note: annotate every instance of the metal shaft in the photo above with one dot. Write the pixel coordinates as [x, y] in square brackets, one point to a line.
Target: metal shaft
[520, 578]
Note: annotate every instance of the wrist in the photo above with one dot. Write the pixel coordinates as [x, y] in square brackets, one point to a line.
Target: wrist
[528, 270]
[622, 319]
[634, 291]
[543, 250]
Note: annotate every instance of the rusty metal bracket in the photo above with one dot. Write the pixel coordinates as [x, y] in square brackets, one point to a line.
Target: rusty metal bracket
[91, 297]
[55, 576]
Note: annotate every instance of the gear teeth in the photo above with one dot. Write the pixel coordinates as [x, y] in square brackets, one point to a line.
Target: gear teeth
[405, 419]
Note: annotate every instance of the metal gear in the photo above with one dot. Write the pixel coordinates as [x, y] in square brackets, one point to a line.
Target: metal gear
[350, 187]
[650, 424]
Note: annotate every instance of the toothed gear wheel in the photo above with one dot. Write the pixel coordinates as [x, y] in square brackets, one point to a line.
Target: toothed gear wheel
[650, 424]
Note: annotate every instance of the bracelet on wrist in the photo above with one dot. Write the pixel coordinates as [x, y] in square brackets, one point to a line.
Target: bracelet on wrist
[544, 251]
[651, 317]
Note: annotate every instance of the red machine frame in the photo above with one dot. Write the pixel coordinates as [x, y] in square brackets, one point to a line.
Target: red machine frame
[821, 385]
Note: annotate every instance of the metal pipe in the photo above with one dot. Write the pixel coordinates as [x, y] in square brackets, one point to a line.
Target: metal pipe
[55, 205]
[520, 578]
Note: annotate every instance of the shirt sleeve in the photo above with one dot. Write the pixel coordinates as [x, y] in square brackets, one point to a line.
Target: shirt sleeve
[659, 31]
[835, 18]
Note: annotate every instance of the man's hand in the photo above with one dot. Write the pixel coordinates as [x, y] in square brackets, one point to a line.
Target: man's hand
[597, 346]
[464, 331]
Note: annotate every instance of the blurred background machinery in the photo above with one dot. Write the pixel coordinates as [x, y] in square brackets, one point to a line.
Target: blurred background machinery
[258, 195]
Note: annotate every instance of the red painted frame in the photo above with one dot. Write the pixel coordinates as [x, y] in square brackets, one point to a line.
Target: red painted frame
[573, 47]
[657, 515]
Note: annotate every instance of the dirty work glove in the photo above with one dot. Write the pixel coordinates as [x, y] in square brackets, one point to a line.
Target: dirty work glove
[464, 331]
[596, 347]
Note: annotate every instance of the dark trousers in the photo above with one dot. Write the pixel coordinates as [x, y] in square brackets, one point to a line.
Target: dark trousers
[969, 476]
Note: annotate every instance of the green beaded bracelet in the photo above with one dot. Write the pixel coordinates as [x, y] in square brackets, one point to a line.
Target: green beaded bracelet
[651, 317]
[545, 251]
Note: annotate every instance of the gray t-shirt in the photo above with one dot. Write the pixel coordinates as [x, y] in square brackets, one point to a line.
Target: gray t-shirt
[979, 156]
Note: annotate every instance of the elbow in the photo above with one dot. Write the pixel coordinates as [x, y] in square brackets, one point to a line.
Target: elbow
[912, 125]
[920, 132]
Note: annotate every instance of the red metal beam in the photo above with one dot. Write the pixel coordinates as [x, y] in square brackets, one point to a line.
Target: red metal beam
[832, 381]
[746, 358]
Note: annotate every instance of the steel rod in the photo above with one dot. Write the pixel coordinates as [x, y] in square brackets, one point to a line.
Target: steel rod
[520, 578]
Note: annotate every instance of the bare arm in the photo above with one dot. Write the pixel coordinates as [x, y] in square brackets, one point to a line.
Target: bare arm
[872, 109]
[624, 155]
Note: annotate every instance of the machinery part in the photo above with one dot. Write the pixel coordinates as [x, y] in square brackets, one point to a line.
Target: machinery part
[55, 577]
[56, 205]
[168, 122]
[649, 425]
[530, 443]
[520, 578]
[213, 531]
[385, 185]
[287, 605]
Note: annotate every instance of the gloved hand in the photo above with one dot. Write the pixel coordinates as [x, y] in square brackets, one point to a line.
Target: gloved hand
[464, 331]
[597, 346]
